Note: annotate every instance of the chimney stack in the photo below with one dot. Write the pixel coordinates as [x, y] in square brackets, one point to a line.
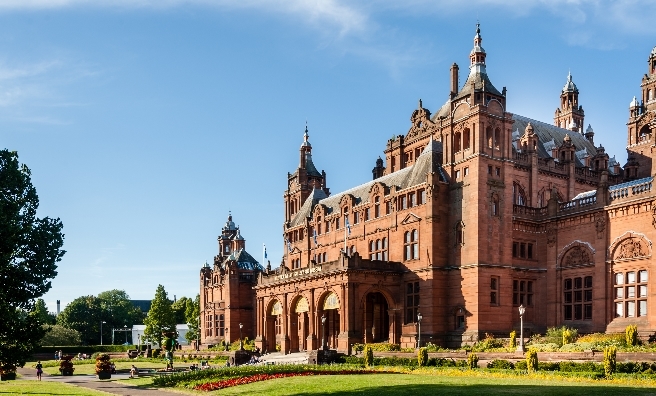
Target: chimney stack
[454, 80]
[58, 307]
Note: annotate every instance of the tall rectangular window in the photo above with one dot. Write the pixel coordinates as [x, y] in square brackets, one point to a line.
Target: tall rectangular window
[631, 294]
[577, 298]
[411, 302]
[494, 290]
[523, 292]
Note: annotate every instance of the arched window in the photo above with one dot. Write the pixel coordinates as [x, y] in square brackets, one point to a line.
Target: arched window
[411, 244]
[456, 142]
[466, 139]
[488, 137]
[495, 205]
[377, 207]
[378, 249]
[519, 196]
[497, 139]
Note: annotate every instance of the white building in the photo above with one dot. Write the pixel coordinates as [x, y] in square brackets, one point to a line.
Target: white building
[138, 334]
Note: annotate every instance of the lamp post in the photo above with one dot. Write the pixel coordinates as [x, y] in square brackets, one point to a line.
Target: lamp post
[419, 318]
[139, 342]
[125, 329]
[101, 323]
[323, 332]
[520, 347]
[241, 343]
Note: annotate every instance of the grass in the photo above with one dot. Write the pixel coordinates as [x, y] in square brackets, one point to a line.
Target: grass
[427, 384]
[20, 387]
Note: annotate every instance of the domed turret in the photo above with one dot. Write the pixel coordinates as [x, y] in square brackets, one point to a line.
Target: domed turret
[569, 85]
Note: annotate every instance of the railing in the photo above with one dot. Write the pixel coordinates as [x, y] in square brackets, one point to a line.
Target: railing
[522, 157]
[577, 203]
[631, 188]
[521, 210]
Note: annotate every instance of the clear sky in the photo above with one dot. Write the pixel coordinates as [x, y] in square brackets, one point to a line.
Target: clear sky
[145, 121]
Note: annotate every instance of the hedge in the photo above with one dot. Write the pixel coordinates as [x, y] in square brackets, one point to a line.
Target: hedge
[88, 349]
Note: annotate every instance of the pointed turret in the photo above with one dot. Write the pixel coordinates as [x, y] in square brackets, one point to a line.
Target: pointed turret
[570, 114]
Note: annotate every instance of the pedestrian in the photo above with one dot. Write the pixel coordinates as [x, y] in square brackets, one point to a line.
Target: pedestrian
[39, 370]
[134, 371]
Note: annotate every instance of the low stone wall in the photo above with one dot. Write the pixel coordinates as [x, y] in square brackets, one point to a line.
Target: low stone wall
[596, 356]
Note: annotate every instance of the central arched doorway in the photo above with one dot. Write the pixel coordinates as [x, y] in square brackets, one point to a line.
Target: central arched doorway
[274, 327]
[300, 324]
[376, 318]
[329, 321]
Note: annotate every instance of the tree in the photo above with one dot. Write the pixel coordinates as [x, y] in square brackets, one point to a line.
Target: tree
[113, 307]
[41, 312]
[30, 248]
[84, 315]
[192, 315]
[60, 336]
[179, 309]
[161, 318]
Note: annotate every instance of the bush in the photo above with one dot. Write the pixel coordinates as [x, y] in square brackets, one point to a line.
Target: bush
[500, 364]
[610, 360]
[585, 367]
[635, 367]
[569, 336]
[601, 341]
[60, 335]
[489, 342]
[472, 361]
[548, 366]
[521, 365]
[422, 357]
[368, 356]
[631, 335]
[88, 349]
[555, 335]
[513, 339]
[103, 364]
[532, 360]
[551, 347]
[378, 347]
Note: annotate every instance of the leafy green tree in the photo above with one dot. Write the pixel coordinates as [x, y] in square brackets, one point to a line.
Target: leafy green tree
[161, 318]
[192, 315]
[179, 308]
[40, 311]
[60, 336]
[84, 315]
[30, 248]
[113, 307]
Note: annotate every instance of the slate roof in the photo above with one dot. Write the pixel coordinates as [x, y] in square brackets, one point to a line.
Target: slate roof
[309, 166]
[244, 261]
[631, 183]
[551, 135]
[428, 161]
[479, 79]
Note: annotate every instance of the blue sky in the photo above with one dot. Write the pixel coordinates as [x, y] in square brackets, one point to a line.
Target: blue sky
[145, 121]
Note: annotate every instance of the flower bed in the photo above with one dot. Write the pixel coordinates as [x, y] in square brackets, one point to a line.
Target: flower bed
[211, 386]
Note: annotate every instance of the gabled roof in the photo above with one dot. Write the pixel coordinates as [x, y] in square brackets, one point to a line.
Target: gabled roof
[244, 260]
[551, 135]
[428, 161]
[479, 79]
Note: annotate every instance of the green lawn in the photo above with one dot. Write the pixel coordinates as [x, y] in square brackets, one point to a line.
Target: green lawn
[425, 384]
[21, 387]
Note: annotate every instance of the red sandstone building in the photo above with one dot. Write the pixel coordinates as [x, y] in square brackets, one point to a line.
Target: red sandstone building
[474, 212]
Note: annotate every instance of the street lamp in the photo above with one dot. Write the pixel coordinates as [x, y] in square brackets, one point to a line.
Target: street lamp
[125, 328]
[419, 318]
[520, 347]
[101, 323]
[241, 343]
[323, 332]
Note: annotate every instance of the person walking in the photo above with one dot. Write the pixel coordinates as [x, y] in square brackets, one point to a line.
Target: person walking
[39, 370]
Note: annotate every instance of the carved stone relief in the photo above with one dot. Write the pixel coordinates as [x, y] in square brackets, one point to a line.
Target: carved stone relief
[631, 248]
[552, 230]
[577, 255]
[600, 225]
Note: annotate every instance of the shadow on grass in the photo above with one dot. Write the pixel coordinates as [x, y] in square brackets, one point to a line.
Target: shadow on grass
[483, 390]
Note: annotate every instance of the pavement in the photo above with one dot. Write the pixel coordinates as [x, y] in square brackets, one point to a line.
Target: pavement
[92, 382]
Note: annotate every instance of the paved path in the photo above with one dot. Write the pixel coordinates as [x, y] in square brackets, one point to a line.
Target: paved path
[91, 382]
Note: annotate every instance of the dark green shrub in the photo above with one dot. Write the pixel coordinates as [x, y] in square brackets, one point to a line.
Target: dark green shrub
[585, 367]
[548, 366]
[378, 347]
[532, 360]
[610, 360]
[631, 335]
[521, 365]
[422, 356]
[368, 356]
[500, 364]
[635, 367]
[472, 361]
